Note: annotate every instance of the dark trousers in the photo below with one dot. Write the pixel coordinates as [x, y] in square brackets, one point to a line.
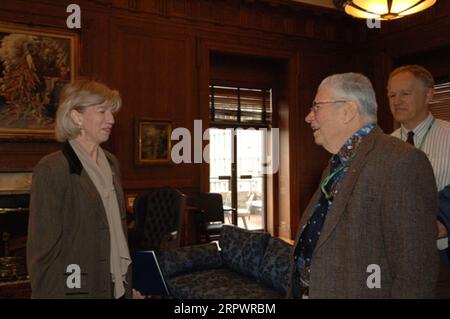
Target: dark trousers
[443, 284]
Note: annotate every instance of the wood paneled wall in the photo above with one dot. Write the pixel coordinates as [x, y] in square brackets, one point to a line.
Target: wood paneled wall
[157, 54]
[418, 39]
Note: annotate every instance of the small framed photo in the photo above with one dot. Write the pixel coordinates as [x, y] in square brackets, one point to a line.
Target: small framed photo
[130, 201]
[152, 141]
[35, 64]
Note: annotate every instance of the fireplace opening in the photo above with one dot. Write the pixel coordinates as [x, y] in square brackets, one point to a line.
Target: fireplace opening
[14, 213]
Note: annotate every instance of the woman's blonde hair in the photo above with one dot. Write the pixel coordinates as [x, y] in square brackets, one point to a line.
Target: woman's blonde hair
[78, 95]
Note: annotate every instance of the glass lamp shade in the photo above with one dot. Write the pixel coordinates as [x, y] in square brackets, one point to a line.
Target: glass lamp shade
[385, 9]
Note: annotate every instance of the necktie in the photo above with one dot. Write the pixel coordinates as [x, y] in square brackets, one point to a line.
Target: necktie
[311, 233]
[410, 138]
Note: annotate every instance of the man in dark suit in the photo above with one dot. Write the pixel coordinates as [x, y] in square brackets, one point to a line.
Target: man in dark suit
[369, 230]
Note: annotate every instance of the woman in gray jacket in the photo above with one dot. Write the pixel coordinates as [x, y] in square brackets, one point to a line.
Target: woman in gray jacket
[77, 234]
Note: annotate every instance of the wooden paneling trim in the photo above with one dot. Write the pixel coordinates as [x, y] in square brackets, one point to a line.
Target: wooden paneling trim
[244, 49]
[151, 183]
[306, 21]
[420, 32]
[164, 59]
[421, 38]
[232, 34]
[294, 133]
[24, 155]
[384, 65]
[51, 13]
[439, 11]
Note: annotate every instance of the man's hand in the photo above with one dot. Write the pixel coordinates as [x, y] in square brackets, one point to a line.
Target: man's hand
[442, 230]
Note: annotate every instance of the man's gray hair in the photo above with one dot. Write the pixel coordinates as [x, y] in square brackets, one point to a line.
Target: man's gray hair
[419, 73]
[357, 88]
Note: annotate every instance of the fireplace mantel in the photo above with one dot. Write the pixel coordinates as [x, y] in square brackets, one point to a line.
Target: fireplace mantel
[15, 182]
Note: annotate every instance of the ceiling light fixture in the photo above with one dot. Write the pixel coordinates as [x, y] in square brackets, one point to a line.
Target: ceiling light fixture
[383, 9]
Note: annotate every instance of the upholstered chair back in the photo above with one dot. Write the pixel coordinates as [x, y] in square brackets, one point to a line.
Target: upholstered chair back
[159, 215]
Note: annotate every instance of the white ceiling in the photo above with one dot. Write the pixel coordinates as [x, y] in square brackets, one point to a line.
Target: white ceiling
[322, 3]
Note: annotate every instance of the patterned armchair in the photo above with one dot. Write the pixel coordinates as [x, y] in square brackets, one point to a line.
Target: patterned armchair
[159, 215]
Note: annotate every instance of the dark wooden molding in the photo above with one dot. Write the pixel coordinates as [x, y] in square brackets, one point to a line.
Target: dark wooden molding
[146, 184]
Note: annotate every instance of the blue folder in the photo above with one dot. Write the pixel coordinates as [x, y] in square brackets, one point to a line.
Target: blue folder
[147, 276]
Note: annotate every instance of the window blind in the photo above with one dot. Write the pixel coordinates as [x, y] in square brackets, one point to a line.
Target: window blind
[240, 105]
[440, 105]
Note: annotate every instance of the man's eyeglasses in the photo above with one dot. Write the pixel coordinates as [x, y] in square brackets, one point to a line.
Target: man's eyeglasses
[316, 105]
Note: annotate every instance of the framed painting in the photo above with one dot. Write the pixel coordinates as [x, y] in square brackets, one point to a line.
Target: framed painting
[131, 216]
[35, 64]
[152, 141]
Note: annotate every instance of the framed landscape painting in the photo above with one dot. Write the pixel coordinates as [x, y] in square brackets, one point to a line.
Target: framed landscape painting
[35, 64]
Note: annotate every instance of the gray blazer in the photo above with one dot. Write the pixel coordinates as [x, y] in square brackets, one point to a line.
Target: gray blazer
[68, 225]
[384, 214]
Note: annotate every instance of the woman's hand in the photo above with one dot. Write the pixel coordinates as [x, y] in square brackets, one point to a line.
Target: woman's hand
[443, 232]
[137, 295]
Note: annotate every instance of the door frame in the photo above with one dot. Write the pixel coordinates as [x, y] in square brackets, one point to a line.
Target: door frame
[204, 49]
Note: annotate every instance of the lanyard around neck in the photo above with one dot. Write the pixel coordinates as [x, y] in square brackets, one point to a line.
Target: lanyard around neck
[424, 137]
[332, 175]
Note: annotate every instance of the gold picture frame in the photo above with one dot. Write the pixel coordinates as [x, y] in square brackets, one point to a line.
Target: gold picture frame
[152, 141]
[35, 63]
